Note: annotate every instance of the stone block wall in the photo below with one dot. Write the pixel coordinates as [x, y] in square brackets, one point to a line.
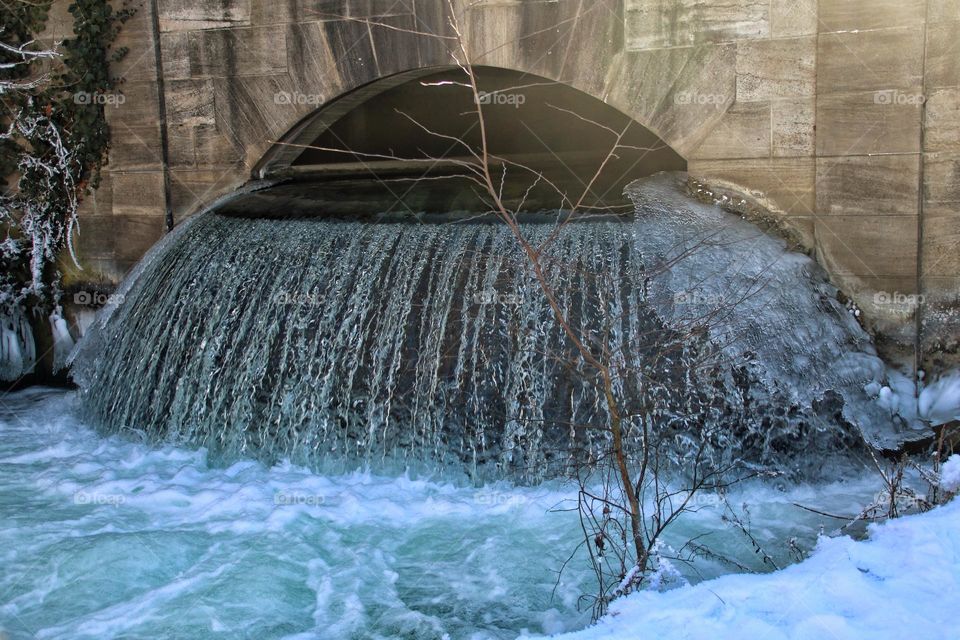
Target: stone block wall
[843, 115]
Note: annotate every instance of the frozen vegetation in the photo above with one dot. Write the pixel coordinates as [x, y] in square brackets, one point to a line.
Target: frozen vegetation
[903, 582]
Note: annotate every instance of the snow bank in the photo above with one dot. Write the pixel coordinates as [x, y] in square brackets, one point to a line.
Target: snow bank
[903, 582]
[950, 474]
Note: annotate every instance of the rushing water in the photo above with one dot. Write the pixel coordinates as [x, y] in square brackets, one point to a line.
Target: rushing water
[108, 538]
[430, 345]
[308, 428]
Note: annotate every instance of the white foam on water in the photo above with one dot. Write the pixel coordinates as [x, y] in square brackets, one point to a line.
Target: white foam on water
[109, 537]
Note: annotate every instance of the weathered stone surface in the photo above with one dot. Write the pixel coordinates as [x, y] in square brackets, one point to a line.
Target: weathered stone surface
[394, 51]
[237, 52]
[859, 124]
[135, 147]
[888, 306]
[94, 238]
[940, 337]
[493, 32]
[942, 126]
[771, 69]
[312, 68]
[941, 217]
[793, 127]
[941, 10]
[742, 132]
[192, 191]
[653, 24]
[190, 103]
[868, 185]
[866, 245]
[941, 244]
[215, 148]
[679, 93]
[549, 28]
[941, 182]
[184, 15]
[793, 18]
[351, 49]
[786, 183]
[891, 59]
[586, 68]
[250, 112]
[943, 56]
[139, 193]
[181, 148]
[175, 54]
[139, 62]
[136, 234]
[849, 15]
[134, 104]
[100, 200]
[202, 146]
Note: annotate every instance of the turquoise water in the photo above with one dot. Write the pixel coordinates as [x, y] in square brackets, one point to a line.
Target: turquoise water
[111, 538]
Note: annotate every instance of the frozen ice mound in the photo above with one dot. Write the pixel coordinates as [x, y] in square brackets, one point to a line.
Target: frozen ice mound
[773, 312]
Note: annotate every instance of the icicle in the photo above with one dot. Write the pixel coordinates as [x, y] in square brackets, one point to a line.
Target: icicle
[62, 340]
[17, 347]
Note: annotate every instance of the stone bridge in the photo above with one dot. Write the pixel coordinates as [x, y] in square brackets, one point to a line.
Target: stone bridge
[842, 115]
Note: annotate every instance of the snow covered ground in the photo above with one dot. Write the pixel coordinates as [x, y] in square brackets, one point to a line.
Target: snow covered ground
[903, 582]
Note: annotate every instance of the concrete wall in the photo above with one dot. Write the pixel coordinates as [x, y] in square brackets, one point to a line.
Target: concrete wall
[842, 114]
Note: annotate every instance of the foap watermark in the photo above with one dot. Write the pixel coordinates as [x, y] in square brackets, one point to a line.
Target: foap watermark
[700, 499]
[698, 297]
[96, 298]
[897, 299]
[103, 99]
[98, 499]
[499, 498]
[295, 97]
[491, 296]
[697, 98]
[299, 299]
[501, 98]
[894, 96]
[298, 499]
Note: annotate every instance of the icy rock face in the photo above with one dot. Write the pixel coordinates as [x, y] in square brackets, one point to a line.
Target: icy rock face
[796, 352]
[397, 345]
[17, 347]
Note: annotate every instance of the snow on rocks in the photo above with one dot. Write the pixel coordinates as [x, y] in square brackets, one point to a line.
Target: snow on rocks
[939, 401]
[950, 474]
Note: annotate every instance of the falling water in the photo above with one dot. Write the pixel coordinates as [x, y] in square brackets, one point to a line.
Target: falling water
[401, 345]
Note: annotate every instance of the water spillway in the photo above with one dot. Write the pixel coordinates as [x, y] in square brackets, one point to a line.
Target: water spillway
[338, 343]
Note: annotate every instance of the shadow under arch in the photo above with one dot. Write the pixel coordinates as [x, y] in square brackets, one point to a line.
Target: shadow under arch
[421, 124]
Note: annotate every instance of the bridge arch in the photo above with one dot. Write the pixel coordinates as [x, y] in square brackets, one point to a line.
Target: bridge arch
[751, 94]
[424, 123]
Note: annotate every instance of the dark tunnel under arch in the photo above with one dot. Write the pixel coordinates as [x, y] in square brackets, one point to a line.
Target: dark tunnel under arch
[553, 128]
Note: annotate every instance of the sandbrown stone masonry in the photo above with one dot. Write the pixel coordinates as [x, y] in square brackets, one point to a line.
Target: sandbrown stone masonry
[843, 115]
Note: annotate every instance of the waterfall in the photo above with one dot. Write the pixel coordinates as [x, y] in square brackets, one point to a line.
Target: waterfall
[431, 346]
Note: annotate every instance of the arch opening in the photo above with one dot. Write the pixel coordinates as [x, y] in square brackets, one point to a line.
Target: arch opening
[398, 145]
